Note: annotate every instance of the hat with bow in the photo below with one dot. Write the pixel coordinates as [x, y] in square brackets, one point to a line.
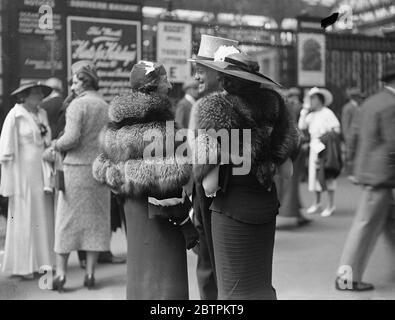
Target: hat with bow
[145, 73]
[229, 60]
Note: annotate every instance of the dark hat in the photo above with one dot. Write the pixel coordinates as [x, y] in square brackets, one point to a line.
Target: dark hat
[355, 93]
[209, 46]
[239, 65]
[389, 72]
[144, 73]
[46, 90]
[87, 67]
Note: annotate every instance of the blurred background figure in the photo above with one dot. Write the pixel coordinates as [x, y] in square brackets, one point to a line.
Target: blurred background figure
[375, 171]
[184, 106]
[350, 128]
[30, 228]
[318, 119]
[289, 195]
[53, 103]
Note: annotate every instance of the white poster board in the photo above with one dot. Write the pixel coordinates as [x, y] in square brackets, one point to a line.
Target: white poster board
[311, 59]
[174, 47]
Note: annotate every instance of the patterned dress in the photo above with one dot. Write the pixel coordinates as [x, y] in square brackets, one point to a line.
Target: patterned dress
[83, 212]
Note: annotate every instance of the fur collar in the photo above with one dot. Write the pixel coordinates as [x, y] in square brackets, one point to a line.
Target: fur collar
[122, 165]
[273, 134]
[139, 107]
[137, 178]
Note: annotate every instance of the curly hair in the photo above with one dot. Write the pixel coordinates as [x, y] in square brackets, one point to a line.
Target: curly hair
[87, 81]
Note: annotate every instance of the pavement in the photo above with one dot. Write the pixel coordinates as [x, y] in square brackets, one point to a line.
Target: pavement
[305, 262]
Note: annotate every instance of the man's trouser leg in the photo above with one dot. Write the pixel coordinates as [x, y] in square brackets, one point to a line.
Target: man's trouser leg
[205, 266]
[389, 231]
[367, 225]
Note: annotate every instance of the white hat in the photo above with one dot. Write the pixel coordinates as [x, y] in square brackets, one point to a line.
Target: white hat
[326, 93]
[209, 45]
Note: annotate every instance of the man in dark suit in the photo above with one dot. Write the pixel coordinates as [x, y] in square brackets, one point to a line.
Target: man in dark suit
[184, 106]
[350, 115]
[375, 171]
[208, 82]
[53, 104]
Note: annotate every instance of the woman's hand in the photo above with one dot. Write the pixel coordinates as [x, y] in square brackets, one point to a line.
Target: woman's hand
[49, 155]
[53, 144]
[286, 170]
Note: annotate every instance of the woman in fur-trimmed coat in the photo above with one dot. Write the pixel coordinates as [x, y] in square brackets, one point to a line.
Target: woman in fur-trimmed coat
[245, 206]
[156, 207]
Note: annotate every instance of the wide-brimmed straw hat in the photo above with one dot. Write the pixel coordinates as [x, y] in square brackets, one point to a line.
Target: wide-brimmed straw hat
[209, 46]
[46, 90]
[328, 97]
[231, 61]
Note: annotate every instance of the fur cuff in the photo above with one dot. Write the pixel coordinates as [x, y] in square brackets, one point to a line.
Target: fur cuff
[127, 143]
[135, 178]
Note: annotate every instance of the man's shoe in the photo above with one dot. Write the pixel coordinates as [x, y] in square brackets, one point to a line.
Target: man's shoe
[342, 285]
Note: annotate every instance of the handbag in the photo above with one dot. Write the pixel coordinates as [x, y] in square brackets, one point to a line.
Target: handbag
[59, 174]
[59, 180]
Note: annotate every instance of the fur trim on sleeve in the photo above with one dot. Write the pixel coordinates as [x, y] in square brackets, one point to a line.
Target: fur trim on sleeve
[99, 168]
[157, 176]
[128, 142]
[136, 178]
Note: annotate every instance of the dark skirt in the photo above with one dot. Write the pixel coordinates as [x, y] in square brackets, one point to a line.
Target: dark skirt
[157, 260]
[288, 190]
[243, 258]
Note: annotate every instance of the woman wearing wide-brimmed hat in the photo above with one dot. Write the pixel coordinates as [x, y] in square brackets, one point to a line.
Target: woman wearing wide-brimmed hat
[83, 209]
[30, 229]
[156, 207]
[319, 120]
[245, 205]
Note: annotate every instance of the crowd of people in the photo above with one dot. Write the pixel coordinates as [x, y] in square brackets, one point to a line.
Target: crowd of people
[70, 167]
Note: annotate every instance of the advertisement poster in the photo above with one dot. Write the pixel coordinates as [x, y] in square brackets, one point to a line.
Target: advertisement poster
[174, 48]
[113, 45]
[311, 59]
[41, 50]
